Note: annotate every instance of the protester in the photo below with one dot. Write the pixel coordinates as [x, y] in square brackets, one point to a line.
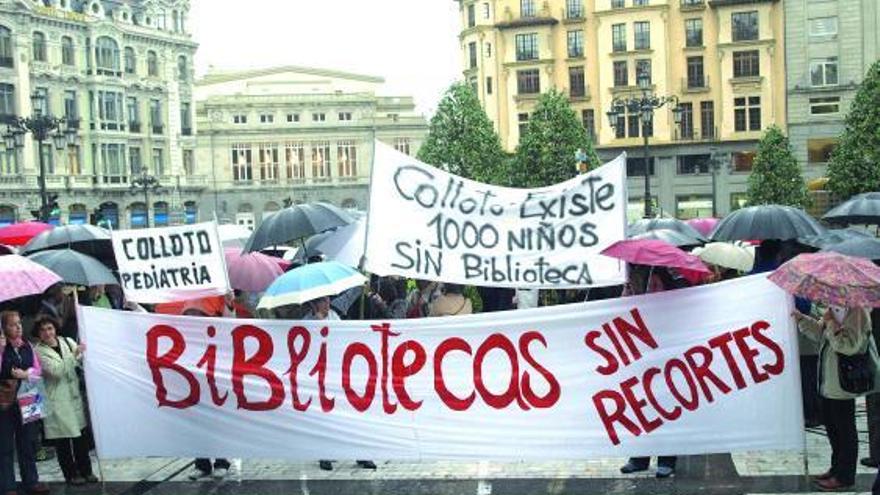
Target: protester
[451, 302]
[58, 305]
[60, 358]
[386, 299]
[420, 298]
[17, 440]
[872, 403]
[841, 332]
[98, 298]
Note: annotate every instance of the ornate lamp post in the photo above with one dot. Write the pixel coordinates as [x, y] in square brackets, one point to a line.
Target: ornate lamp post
[643, 106]
[716, 164]
[144, 184]
[61, 130]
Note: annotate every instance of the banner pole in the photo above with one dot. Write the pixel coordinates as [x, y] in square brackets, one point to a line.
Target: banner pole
[363, 261]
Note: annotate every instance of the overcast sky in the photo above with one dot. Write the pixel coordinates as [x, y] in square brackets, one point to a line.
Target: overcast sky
[413, 44]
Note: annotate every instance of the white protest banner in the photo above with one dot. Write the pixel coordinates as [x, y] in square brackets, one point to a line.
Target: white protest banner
[426, 223]
[171, 263]
[679, 372]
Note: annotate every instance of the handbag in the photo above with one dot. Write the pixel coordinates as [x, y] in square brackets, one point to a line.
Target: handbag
[856, 372]
[32, 402]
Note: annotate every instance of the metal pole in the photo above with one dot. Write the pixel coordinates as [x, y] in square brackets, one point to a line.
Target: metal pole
[44, 201]
[648, 212]
[146, 203]
[714, 188]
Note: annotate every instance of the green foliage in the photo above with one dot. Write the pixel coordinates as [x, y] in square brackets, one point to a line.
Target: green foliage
[855, 164]
[461, 139]
[776, 176]
[546, 152]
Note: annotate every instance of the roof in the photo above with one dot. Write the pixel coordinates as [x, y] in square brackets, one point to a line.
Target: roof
[220, 76]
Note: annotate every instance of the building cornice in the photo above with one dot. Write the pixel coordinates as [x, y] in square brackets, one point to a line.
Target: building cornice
[632, 9]
[222, 77]
[527, 22]
[727, 3]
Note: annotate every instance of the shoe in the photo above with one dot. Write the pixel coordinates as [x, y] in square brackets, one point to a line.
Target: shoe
[367, 464]
[197, 474]
[664, 471]
[630, 467]
[220, 473]
[76, 481]
[38, 489]
[869, 462]
[325, 465]
[831, 485]
[92, 478]
[824, 476]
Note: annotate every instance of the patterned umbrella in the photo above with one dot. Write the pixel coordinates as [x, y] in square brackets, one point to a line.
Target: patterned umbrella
[252, 272]
[654, 253]
[831, 278]
[20, 277]
[19, 234]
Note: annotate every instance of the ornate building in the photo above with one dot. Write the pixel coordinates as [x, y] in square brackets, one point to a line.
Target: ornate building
[123, 69]
[287, 135]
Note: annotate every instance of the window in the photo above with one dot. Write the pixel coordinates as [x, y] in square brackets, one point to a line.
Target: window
[74, 164]
[617, 4]
[588, 119]
[39, 47]
[687, 120]
[488, 50]
[527, 8]
[642, 35]
[319, 117]
[825, 105]
[295, 160]
[693, 32]
[693, 164]
[633, 123]
[152, 64]
[267, 154]
[6, 59]
[635, 167]
[42, 106]
[293, 117]
[402, 145]
[68, 54]
[160, 214]
[158, 161]
[640, 3]
[574, 9]
[576, 83]
[346, 158]
[186, 118]
[693, 206]
[618, 37]
[522, 123]
[242, 164]
[71, 107]
[823, 72]
[471, 15]
[823, 26]
[156, 116]
[695, 77]
[113, 158]
[747, 113]
[107, 56]
[643, 72]
[487, 12]
[321, 160]
[472, 55]
[743, 161]
[7, 99]
[744, 26]
[528, 81]
[746, 64]
[575, 44]
[135, 163]
[182, 68]
[9, 161]
[819, 150]
[110, 111]
[267, 118]
[130, 61]
[527, 46]
[489, 85]
[738, 201]
[344, 116]
[49, 157]
[707, 119]
[621, 73]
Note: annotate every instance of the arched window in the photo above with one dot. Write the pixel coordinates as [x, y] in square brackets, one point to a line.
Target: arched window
[107, 56]
[191, 212]
[109, 215]
[39, 47]
[7, 215]
[138, 218]
[68, 53]
[5, 47]
[160, 214]
[152, 64]
[130, 61]
[182, 68]
[77, 215]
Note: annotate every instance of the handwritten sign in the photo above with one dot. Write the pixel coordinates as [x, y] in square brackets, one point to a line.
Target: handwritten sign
[171, 264]
[426, 223]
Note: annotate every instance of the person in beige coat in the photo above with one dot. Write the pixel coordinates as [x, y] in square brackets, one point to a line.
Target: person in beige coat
[841, 331]
[452, 302]
[60, 358]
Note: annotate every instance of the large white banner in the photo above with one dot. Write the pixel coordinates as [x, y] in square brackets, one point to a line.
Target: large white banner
[170, 264]
[708, 369]
[426, 223]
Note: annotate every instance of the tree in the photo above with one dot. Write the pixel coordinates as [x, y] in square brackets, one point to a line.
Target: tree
[776, 176]
[546, 151]
[461, 139]
[855, 164]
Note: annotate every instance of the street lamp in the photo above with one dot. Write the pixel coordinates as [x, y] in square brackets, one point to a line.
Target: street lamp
[145, 183]
[716, 164]
[643, 106]
[61, 130]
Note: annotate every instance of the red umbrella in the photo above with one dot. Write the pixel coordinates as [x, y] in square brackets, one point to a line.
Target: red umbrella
[704, 226]
[19, 234]
[652, 252]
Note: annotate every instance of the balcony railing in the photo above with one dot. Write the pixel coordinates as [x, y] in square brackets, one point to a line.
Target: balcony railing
[695, 83]
[134, 127]
[694, 134]
[693, 4]
[158, 129]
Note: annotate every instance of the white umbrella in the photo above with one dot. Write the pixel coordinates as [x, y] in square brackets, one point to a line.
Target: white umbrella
[233, 236]
[345, 244]
[726, 255]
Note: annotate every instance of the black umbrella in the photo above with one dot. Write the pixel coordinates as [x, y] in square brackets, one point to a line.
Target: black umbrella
[866, 247]
[75, 268]
[296, 222]
[86, 239]
[862, 209]
[673, 224]
[670, 236]
[831, 237]
[764, 222]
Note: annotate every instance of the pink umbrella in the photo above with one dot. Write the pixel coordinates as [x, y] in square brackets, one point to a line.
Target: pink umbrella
[831, 278]
[20, 277]
[704, 226]
[653, 252]
[252, 272]
[19, 234]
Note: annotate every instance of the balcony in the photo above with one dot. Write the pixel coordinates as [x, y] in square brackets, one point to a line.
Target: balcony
[108, 72]
[687, 5]
[695, 84]
[158, 129]
[693, 134]
[79, 181]
[134, 127]
[579, 93]
[7, 62]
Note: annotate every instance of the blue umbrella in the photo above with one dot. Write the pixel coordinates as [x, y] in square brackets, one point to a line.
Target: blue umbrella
[310, 282]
